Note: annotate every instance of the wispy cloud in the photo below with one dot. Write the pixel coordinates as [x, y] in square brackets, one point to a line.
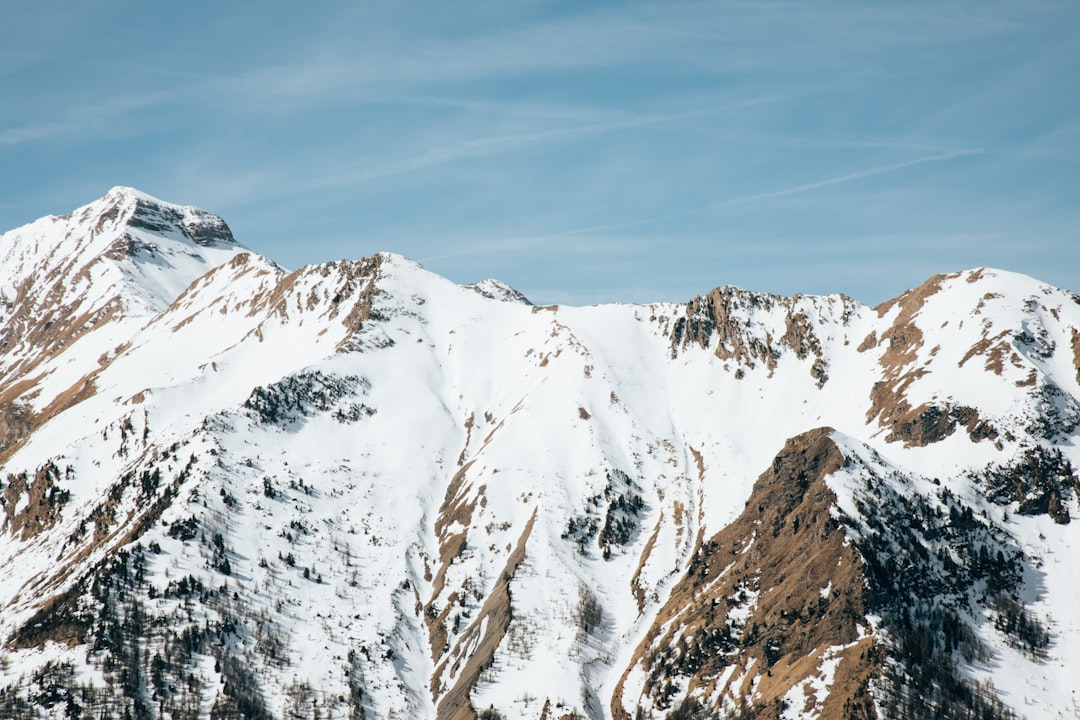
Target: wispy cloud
[80, 121]
[329, 174]
[351, 66]
[609, 246]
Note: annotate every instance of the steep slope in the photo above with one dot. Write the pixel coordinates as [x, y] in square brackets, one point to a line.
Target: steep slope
[107, 267]
[359, 490]
[772, 603]
[846, 589]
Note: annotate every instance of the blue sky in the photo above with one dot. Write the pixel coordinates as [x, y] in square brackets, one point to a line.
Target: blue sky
[582, 152]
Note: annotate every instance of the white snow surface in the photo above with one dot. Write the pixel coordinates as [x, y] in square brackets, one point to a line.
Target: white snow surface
[520, 412]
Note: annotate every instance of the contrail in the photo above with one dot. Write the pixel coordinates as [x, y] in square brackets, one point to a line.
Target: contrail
[742, 199]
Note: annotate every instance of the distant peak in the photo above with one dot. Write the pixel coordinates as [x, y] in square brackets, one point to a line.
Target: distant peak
[147, 212]
[498, 290]
[986, 280]
[392, 258]
[119, 193]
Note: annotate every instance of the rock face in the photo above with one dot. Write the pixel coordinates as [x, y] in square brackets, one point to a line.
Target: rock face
[358, 490]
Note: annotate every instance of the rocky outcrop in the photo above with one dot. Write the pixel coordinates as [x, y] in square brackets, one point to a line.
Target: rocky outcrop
[749, 329]
[773, 602]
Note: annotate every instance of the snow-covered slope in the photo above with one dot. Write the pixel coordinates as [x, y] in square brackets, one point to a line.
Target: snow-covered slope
[359, 490]
[74, 289]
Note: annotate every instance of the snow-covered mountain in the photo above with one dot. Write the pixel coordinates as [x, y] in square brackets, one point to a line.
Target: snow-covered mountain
[359, 490]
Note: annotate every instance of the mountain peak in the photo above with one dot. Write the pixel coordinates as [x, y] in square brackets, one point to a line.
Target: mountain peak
[146, 212]
[498, 290]
[118, 193]
[126, 255]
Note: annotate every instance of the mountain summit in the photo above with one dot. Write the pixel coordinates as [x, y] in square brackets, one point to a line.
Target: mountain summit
[358, 490]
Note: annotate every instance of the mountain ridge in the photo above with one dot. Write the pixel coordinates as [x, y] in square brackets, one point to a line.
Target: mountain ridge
[361, 490]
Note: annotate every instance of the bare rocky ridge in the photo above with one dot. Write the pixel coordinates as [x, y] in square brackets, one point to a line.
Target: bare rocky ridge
[766, 603]
[203, 228]
[357, 490]
[729, 315]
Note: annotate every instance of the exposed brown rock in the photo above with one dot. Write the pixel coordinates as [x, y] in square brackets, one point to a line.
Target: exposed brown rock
[1030, 381]
[995, 349]
[457, 509]
[361, 278]
[714, 313]
[32, 504]
[889, 404]
[929, 423]
[1076, 352]
[923, 425]
[800, 337]
[719, 313]
[635, 581]
[978, 429]
[477, 645]
[786, 547]
[470, 422]
[16, 421]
